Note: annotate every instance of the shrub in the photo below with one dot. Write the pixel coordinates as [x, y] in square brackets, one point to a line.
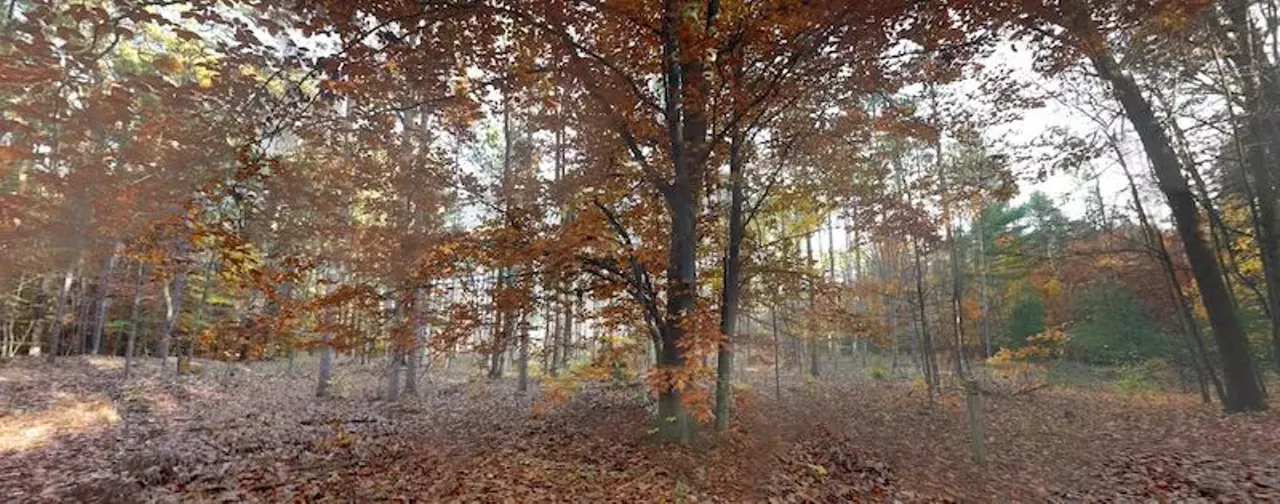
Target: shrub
[1025, 320]
[1114, 328]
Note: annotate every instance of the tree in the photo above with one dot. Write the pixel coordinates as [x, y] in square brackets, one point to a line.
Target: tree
[1093, 31]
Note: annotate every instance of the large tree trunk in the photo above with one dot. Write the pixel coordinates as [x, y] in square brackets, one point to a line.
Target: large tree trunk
[685, 91]
[414, 363]
[1242, 386]
[674, 422]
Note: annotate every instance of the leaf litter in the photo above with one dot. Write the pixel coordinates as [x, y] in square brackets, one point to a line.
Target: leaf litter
[258, 435]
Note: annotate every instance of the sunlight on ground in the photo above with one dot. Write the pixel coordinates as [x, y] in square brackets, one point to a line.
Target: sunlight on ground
[105, 363]
[24, 432]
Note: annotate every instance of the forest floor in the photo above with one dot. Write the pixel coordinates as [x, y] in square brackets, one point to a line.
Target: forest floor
[78, 432]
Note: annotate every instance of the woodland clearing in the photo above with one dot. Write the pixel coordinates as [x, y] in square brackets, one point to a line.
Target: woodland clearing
[255, 433]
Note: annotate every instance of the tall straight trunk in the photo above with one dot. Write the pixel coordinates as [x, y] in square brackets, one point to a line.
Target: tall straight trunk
[927, 362]
[812, 333]
[1241, 379]
[135, 320]
[175, 294]
[393, 373]
[419, 328]
[547, 331]
[685, 91]
[777, 361]
[103, 300]
[324, 380]
[732, 280]
[85, 299]
[985, 325]
[189, 341]
[523, 366]
[566, 337]
[957, 293]
[39, 307]
[60, 311]
[498, 333]
[957, 298]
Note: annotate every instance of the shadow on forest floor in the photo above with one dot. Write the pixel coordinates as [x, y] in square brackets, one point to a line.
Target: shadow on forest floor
[255, 432]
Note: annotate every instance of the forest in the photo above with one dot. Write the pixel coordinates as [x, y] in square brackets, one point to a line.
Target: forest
[639, 251]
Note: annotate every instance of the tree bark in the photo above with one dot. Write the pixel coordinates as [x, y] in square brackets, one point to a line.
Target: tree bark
[927, 362]
[732, 288]
[103, 301]
[60, 311]
[324, 379]
[135, 320]
[175, 293]
[523, 383]
[1257, 76]
[1242, 386]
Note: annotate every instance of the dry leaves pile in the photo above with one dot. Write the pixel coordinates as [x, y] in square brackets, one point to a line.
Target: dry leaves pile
[81, 434]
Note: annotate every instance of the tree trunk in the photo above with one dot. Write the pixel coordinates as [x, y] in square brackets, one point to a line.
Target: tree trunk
[685, 91]
[1242, 385]
[38, 308]
[393, 374]
[103, 301]
[175, 293]
[732, 288]
[135, 320]
[812, 322]
[60, 311]
[523, 383]
[927, 362]
[1257, 75]
[777, 360]
[419, 320]
[324, 381]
